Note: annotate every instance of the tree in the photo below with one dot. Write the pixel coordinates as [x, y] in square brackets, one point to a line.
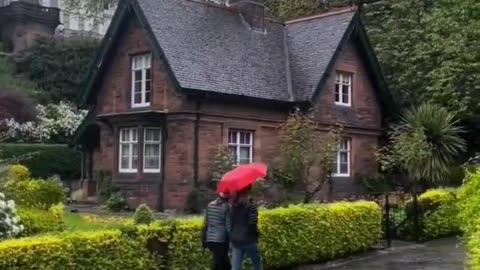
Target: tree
[305, 148]
[58, 68]
[424, 144]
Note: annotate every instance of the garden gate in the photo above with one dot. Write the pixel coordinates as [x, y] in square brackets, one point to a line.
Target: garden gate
[401, 217]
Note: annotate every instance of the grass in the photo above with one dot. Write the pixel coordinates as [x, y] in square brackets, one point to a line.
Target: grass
[82, 223]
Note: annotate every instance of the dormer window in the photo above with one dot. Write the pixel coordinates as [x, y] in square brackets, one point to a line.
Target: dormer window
[343, 89]
[141, 80]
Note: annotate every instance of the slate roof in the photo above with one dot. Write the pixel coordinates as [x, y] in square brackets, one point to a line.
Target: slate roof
[209, 48]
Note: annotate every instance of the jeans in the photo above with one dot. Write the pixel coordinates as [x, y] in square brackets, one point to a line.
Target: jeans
[251, 251]
[220, 256]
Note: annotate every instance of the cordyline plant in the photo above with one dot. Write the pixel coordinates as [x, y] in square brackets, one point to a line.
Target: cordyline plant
[304, 148]
[424, 144]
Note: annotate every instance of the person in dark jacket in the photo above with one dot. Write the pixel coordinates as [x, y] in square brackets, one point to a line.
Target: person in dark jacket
[214, 235]
[244, 232]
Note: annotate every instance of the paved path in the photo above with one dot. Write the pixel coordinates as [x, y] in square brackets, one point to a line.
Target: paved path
[445, 254]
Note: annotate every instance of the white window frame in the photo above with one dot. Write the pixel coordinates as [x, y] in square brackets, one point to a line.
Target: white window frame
[146, 60]
[239, 145]
[159, 143]
[130, 142]
[337, 173]
[339, 80]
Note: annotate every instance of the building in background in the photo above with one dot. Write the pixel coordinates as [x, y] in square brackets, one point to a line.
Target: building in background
[79, 24]
[24, 21]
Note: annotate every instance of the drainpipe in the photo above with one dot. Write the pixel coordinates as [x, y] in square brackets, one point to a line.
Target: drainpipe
[196, 143]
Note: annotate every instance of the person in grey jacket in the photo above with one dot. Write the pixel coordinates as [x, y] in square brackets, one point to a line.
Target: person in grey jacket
[215, 236]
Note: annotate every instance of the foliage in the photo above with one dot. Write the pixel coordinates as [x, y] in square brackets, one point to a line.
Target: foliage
[44, 160]
[440, 210]
[55, 124]
[469, 205]
[9, 221]
[38, 221]
[198, 199]
[338, 229]
[16, 105]
[104, 185]
[143, 215]
[117, 202]
[10, 81]
[18, 173]
[305, 147]
[58, 67]
[223, 162]
[104, 250]
[35, 193]
[425, 144]
[75, 222]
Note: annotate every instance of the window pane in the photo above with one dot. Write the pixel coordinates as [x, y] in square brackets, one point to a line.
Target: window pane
[149, 74]
[152, 150]
[344, 144]
[343, 157]
[344, 168]
[124, 163]
[337, 93]
[345, 99]
[346, 79]
[124, 151]
[232, 137]
[134, 135]
[148, 86]
[245, 153]
[345, 89]
[137, 62]
[244, 161]
[137, 98]
[152, 163]
[148, 61]
[338, 78]
[152, 135]
[147, 97]
[233, 151]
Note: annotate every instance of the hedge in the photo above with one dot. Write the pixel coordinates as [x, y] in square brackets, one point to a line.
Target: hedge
[37, 221]
[440, 213]
[290, 236]
[44, 160]
[469, 205]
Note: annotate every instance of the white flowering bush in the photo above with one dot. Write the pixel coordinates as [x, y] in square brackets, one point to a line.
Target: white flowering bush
[10, 226]
[54, 124]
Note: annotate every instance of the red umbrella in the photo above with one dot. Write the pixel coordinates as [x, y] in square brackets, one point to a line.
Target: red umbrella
[242, 177]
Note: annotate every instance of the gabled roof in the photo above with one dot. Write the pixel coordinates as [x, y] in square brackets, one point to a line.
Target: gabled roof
[207, 48]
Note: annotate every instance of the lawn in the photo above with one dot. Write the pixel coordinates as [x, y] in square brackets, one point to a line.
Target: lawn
[79, 222]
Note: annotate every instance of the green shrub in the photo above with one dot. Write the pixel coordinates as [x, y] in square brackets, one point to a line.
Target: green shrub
[440, 213]
[469, 205]
[290, 236]
[37, 221]
[81, 251]
[44, 160]
[143, 215]
[33, 193]
[117, 202]
[18, 173]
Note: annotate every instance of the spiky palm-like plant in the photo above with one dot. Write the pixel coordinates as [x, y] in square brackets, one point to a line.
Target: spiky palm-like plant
[426, 143]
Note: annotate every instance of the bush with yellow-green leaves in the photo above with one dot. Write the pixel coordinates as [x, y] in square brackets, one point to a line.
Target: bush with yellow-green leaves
[38, 221]
[289, 236]
[469, 217]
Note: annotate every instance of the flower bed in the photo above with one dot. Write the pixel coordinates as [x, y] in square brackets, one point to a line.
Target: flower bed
[289, 236]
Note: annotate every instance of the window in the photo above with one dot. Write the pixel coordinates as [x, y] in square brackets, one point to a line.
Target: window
[343, 89]
[66, 20]
[81, 23]
[128, 150]
[341, 166]
[141, 80]
[151, 150]
[240, 143]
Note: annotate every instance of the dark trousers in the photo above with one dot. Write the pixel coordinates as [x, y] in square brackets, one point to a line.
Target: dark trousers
[220, 256]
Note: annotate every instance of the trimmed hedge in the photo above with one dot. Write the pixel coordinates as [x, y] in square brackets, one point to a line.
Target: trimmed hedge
[85, 251]
[45, 160]
[289, 236]
[440, 213]
[469, 205]
[37, 221]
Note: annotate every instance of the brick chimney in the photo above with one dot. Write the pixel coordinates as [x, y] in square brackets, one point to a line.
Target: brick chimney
[252, 13]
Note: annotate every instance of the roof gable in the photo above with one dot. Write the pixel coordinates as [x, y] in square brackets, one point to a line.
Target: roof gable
[207, 48]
